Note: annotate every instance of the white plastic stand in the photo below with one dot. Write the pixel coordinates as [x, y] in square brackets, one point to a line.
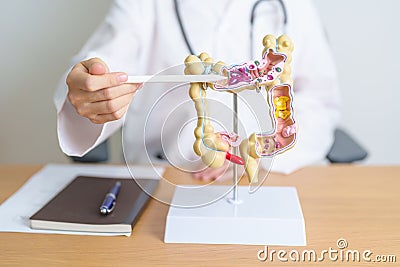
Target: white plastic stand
[269, 216]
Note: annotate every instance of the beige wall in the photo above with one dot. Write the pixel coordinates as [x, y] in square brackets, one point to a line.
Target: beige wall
[365, 40]
[38, 37]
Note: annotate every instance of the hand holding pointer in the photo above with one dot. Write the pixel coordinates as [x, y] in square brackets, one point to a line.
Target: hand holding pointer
[97, 94]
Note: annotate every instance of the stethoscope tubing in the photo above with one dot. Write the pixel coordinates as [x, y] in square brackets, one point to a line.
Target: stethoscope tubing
[252, 19]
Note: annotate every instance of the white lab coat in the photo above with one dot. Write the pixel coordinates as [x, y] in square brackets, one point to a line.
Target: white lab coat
[143, 37]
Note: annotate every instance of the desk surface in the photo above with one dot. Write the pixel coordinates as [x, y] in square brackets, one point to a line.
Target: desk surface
[360, 204]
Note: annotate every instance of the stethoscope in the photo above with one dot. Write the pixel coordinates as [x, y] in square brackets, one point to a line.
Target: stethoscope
[252, 18]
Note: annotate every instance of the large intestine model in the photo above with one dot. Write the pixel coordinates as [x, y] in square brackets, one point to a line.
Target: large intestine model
[273, 73]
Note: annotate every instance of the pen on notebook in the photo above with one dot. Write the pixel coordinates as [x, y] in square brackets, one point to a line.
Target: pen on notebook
[110, 199]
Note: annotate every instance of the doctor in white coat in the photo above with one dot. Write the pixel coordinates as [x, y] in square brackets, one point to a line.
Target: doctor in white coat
[144, 37]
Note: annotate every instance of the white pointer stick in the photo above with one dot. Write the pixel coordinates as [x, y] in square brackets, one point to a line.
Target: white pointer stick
[175, 78]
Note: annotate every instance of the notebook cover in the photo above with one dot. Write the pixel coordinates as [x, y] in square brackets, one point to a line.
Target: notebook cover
[79, 202]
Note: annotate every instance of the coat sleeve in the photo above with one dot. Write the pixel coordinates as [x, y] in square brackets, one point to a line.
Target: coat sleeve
[118, 42]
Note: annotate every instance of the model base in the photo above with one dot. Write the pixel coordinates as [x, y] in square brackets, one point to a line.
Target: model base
[270, 216]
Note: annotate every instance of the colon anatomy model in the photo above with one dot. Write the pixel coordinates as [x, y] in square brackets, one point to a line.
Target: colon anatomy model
[271, 73]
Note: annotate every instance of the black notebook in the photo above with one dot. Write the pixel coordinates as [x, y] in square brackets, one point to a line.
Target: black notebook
[77, 206]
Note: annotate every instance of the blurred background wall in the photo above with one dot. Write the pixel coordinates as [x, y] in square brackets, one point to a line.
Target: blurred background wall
[38, 38]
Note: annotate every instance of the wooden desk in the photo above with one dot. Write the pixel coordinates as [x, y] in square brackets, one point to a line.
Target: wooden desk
[360, 204]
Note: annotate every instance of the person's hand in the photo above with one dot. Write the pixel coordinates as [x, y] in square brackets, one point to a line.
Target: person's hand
[97, 94]
[221, 174]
